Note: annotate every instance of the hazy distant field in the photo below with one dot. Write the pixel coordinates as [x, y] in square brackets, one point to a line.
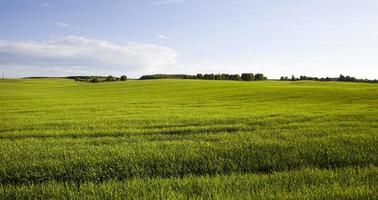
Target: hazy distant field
[188, 138]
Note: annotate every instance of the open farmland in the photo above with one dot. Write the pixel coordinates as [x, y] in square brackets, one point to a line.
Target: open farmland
[188, 138]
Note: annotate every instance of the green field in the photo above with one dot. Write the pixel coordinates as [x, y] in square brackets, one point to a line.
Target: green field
[179, 139]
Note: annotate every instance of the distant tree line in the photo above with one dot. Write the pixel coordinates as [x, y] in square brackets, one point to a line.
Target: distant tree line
[235, 77]
[98, 79]
[167, 76]
[253, 77]
[340, 78]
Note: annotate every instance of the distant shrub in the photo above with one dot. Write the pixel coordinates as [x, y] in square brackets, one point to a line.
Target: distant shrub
[95, 80]
[111, 78]
[123, 78]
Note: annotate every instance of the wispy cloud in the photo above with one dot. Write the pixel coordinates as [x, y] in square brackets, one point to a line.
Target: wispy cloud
[80, 54]
[47, 5]
[163, 37]
[65, 25]
[374, 33]
[62, 24]
[162, 2]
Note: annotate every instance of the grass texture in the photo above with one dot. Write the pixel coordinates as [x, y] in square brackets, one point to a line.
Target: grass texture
[179, 139]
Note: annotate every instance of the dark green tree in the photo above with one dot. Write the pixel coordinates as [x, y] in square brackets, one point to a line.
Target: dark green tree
[341, 78]
[109, 78]
[123, 78]
[260, 77]
[247, 77]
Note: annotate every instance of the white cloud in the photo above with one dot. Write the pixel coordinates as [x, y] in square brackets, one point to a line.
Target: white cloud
[164, 37]
[63, 24]
[66, 25]
[162, 2]
[375, 33]
[47, 5]
[80, 54]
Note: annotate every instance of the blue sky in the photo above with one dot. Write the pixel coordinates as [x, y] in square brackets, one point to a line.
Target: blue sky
[274, 37]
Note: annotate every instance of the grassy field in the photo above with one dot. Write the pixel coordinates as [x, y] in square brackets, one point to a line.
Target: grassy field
[182, 139]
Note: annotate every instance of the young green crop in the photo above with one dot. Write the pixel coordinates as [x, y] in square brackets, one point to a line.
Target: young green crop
[60, 133]
[344, 183]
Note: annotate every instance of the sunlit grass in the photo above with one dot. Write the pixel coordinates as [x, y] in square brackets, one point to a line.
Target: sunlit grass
[187, 138]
